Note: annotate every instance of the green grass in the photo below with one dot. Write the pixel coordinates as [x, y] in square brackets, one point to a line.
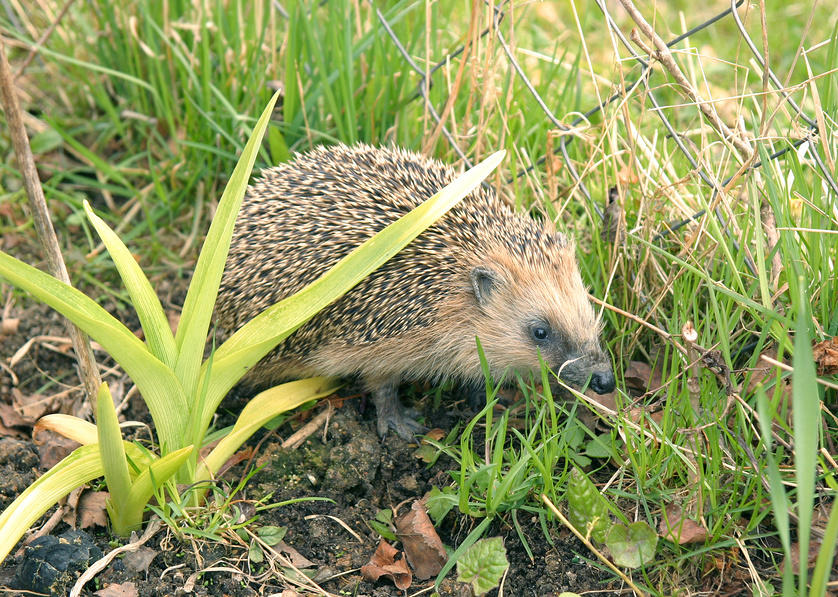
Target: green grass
[140, 114]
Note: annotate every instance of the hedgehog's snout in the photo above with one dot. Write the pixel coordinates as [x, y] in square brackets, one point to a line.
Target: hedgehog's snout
[591, 368]
[603, 382]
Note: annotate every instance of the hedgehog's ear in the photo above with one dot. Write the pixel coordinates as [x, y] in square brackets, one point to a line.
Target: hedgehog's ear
[484, 282]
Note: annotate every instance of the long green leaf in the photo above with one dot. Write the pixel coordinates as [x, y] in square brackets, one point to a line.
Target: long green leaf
[826, 555]
[260, 335]
[158, 385]
[261, 409]
[806, 421]
[81, 466]
[779, 500]
[200, 298]
[155, 326]
[114, 462]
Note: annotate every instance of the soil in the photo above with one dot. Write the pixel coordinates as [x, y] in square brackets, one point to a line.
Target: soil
[346, 462]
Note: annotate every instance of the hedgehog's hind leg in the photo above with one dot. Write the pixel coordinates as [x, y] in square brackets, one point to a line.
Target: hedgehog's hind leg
[390, 412]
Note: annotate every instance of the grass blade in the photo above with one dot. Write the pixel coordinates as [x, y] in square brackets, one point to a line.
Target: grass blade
[806, 420]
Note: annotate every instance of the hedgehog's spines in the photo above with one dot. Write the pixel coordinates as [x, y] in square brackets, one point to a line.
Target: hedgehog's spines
[416, 316]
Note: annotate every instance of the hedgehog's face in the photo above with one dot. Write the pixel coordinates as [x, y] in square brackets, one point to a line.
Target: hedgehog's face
[527, 310]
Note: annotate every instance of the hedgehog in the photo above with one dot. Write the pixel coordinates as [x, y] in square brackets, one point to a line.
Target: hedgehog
[482, 272]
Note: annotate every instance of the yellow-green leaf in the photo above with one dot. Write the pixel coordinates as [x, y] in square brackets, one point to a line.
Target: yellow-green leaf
[79, 467]
[111, 450]
[128, 515]
[155, 326]
[160, 388]
[261, 409]
[200, 298]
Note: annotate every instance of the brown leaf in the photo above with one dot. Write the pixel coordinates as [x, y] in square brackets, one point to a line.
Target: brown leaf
[435, 434]
[52, 447]
[126, 589]
[422, 545]
[11, 423]
[675, 527]
[641, 377]
[608, 400]
[826, 356]
[383, 563]
[139, 560]
[91, 509]
[33, 406]
[762, 371]
[814, 549]
[298, 559]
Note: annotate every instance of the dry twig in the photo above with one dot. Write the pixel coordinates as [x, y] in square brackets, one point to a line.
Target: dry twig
[664, 56]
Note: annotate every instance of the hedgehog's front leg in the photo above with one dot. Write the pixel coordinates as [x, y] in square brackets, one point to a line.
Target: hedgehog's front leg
[391, 413]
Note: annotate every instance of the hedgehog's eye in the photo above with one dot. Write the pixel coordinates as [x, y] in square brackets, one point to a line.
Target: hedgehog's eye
[540, 332]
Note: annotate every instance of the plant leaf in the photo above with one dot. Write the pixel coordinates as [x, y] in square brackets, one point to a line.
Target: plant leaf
[111, 450]
[587, 508]
[158, 385]
[200, 298]
[632, 546]
[261, 409]
[483, 565]
[806, 411]
[260, 335]
[153, 320]
[81, 466]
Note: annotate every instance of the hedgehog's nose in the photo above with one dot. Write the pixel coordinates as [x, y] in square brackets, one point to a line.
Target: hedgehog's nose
[603, 382]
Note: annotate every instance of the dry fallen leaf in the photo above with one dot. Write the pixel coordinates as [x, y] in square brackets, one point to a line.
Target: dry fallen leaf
[33, 406]
[91, 509]
[52, 447]
[435, 434]
[641, 377]
[11, 423]
[383, 563]
[826, 356]
[140, 559]
[296, 558]
[422, 545]
[676, 527]
[762, 371]
[126, 589]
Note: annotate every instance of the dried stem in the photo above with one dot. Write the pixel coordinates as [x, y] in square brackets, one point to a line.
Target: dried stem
[40, 215]
[664, 56]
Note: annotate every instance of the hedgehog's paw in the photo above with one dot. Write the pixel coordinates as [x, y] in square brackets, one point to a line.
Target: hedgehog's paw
[391, 414]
